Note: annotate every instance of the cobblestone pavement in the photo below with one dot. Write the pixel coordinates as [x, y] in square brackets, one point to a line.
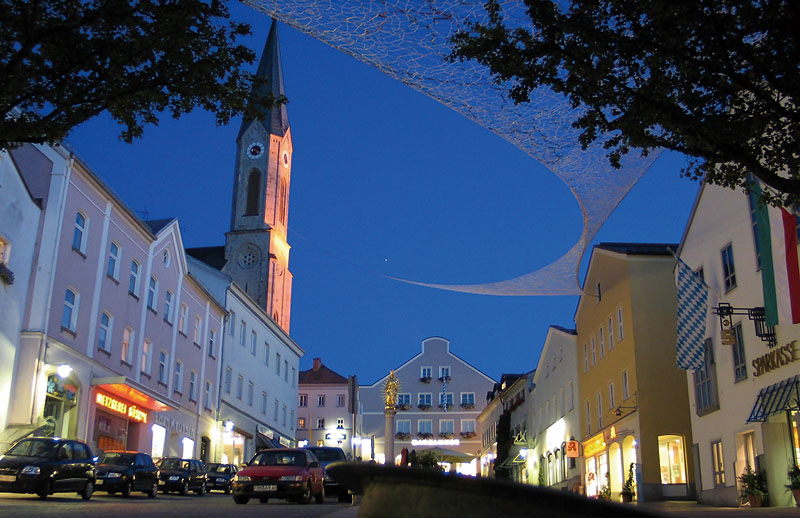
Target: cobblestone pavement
[695, 510]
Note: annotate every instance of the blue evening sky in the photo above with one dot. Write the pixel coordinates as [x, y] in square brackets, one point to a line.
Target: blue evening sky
[386, 181]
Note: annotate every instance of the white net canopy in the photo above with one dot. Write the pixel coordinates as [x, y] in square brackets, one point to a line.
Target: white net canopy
[408, 40]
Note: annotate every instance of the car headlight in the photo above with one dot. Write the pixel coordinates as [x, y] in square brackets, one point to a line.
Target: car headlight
[30, 470]
[242, 478]
[294, 478]
[114, 475]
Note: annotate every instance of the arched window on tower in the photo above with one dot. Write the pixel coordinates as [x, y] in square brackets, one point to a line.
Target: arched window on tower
[282, 201]
[253, 188]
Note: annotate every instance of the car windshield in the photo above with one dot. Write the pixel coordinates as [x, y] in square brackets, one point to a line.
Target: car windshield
[328, 455]
[120, 459]
[33, 448]
[218, 468]
[174, 464]
[279, 458]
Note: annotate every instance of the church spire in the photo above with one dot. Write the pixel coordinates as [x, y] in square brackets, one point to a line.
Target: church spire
[275, 120]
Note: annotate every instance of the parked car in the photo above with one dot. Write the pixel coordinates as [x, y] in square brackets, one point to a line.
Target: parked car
[182, 475]
[288, 473]
[126, 471]
[47, 465]
[326, 455]
[220, 476]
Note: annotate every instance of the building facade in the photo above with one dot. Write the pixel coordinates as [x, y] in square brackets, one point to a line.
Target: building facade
[437, 405]
[328, 410]
[554, 428]
[634, 409]
[744, 409]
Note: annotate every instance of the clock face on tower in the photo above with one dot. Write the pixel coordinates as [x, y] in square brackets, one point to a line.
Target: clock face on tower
[255, 150]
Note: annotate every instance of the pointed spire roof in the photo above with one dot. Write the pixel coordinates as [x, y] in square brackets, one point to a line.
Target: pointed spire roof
[275, 120]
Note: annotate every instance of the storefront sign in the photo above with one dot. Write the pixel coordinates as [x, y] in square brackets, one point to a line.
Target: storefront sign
[338, 435]
[115, 405]
[284, 442]
[573, 449]
[174, 424]
[594, 446]
[776, 358]
[266, 432]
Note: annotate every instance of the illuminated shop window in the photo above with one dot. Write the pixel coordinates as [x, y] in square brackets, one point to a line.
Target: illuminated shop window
[672, 459]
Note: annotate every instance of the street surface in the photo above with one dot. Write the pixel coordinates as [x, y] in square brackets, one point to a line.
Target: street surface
[172, 506]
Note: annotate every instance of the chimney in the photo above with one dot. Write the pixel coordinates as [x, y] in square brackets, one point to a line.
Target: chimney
[317, 364]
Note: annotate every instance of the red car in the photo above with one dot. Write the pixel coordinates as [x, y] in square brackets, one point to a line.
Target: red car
[289, 473]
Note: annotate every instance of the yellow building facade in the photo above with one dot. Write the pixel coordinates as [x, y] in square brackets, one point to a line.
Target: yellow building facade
[633, 401]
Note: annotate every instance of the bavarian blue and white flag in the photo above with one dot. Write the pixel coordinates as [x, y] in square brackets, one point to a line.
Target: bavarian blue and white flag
[443, 397]
[692, 316]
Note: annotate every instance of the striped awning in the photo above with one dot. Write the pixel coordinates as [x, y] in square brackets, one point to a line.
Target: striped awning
[776, 398]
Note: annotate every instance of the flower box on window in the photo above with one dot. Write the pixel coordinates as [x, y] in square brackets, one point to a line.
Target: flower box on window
[467, 435]
[402, 436]
[425, 379]
[445, 378]
[421, 435]
[449, 406]
[446, 435]
[424, 407]
[404, 407]
[468, 406]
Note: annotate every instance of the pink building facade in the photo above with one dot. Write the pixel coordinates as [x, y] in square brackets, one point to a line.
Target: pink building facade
[119, 343]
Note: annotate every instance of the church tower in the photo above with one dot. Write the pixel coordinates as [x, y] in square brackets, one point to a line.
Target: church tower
[256, 250]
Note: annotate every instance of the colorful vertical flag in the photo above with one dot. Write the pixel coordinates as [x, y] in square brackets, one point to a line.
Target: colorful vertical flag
[444, 393]
[692, 316]
[780, 274]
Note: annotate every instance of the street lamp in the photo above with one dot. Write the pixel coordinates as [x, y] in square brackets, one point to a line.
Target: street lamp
[63, 370]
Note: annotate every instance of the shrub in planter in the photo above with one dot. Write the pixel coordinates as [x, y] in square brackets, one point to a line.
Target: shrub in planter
[753, 487]
[794, 483]
[627, 493]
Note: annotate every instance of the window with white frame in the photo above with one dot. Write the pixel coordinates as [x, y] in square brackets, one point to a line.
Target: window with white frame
[232, 324]
[426, 372]
[198, 323]
[446, 427]
[133, 282]
[404, 399]
[283, 415]
[239, 386]
[468, 426]
[739, 360]
[424, 399]
[278, 364]
[620, 327]
[303, 400]
[444, 372]
[69, 317]
[212, 343]
[588, 417]
[104, 335]
[152, 290]
[264, 404]
[168, 306]
[611, 400]
[320, 421]
[162, 366]
[468, 399]
[446, 399]
[286, 370]
[80, 232]
[182, 319]
[112, 270]
[602, 343]
[147, 354]
[250, 391]
[728, 269]
[625, 387]
[425, 426]
[562, 402]
[253, 342]
[242, 332]
[340, 400]
[585, 358]
[228, 376]
[178, 377]
[209, 393]
[610, 333]
[192, 386]
[594, 351]
[266, 354]
[571, 389]
[321, 400]
[294, 377]
[403, 426]
[275, 412]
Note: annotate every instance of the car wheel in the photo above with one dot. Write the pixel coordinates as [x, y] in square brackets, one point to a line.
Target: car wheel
[153, 490]
[264, 499]
[126, 490]
[320, 497]
[239, 499]
[88, 490]
[305, 498]
[227, 489]
[44, 491]
[202, 489]
[184, 488]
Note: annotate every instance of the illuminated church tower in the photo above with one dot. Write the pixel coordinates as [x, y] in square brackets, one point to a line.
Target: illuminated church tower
[256, 250]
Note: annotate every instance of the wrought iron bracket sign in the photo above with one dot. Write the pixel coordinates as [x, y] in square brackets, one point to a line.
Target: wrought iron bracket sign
[725, 311]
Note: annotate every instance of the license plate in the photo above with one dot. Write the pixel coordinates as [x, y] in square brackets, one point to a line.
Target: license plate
[271, 487]
[174, 478]
[8, 478]
[98, 482]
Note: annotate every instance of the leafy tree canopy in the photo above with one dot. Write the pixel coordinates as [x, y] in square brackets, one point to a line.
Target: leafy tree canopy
[717, 80]
[63, 62]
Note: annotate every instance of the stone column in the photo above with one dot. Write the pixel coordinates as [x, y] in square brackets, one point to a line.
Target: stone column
[388, 435]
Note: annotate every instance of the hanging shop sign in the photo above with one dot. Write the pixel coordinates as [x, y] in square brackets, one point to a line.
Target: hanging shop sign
[131, 411]
[573, 449]
[775, 359]
[594, 445]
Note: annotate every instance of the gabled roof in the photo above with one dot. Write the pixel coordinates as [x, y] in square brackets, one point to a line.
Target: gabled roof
[640, 248]
[276, 120]
[157, 224]
[213, 256]
[321, 376]
[564, 329]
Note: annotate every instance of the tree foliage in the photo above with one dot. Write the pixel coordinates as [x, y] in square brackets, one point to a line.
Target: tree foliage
[63, 62]
[717, 80]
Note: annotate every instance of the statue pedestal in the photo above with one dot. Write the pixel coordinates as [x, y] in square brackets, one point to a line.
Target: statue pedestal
[388, 436]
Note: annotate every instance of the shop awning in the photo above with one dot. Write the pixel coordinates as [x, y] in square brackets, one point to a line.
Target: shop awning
[121, 386]
[776, 398]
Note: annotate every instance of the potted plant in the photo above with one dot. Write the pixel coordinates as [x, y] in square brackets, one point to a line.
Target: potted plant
[424, 407]
[467, 406]
[605, 491]
[794, 484]
[753, 487]
[425, 379]
[627, 493]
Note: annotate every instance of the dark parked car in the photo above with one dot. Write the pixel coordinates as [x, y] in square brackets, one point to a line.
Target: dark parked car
[47, 465]
[326, 455]
[290, 473]
[182, 475]
[126, 471]
[220, 476]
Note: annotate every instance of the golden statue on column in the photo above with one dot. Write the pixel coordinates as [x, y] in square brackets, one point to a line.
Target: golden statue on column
[390, 389]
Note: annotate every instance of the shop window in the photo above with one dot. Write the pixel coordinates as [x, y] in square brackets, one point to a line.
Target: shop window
[717, 464]
[60, 406]
[188, 448]
[159, 437]
[672, 459]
